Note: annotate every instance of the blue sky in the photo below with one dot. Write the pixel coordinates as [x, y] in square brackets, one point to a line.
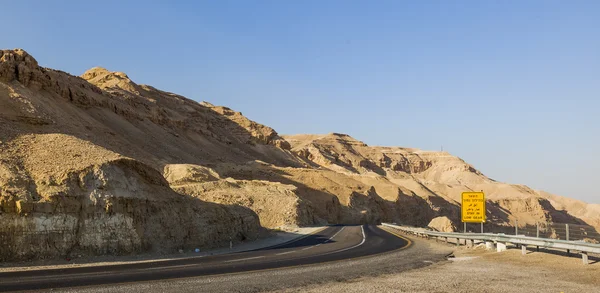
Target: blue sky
[512, 87]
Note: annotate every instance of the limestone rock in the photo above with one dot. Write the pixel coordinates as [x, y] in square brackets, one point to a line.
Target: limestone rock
[442, 224]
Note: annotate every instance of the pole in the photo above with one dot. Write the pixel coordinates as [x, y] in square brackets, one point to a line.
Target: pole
[537, 234]
[516, 227]
[584, 257]
[465, 227]
[481, 227]
[567, 232]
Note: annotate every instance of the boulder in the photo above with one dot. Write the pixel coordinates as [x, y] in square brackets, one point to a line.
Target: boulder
[442, 224]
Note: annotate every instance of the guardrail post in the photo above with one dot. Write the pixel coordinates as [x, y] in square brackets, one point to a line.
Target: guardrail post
[516, 227]
[567, 229]
[500, 246]
[578, 246]
[584, 257]
[469, 243]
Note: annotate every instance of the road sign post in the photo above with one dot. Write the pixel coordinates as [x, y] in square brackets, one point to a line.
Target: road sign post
[473, 208]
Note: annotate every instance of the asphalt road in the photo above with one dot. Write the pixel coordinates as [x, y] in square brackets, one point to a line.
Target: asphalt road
[332, 244]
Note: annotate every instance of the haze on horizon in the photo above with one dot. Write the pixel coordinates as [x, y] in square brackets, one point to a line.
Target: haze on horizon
[511, 87]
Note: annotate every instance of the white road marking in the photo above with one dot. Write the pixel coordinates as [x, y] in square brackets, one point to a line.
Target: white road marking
[242, 259]
[341, 250]
[288, 252]
[355, 246]
[338, 232]
[191, 265]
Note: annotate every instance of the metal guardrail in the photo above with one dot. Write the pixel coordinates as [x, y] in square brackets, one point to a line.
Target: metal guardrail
[500, 241]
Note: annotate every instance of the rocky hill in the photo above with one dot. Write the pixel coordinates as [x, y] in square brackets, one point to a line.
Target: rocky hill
[81, 164]
[438, 178]
[98, 164]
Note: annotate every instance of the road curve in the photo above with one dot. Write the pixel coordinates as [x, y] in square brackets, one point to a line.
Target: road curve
[333, 243]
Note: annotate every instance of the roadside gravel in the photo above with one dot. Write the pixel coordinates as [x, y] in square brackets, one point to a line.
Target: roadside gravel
[274, 238]
[478, 270]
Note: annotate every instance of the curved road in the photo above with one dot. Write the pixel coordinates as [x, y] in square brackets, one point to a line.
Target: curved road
[331, 244]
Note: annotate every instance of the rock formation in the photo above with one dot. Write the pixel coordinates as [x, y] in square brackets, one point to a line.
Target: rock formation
[99, 164]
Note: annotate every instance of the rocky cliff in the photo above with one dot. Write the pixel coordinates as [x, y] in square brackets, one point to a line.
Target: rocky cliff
[80, 161]
[437, 179]
[99, 164]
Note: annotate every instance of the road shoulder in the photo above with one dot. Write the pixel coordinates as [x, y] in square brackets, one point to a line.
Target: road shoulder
[478, 270]
[276, 238]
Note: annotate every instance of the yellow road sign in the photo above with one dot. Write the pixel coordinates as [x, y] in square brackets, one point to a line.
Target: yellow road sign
[473, 207]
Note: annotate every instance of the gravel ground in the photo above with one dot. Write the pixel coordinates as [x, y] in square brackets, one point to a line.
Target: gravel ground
[274, 239]
[478, 270]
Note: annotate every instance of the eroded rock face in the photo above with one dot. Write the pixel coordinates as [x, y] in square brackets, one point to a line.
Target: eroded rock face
[276, 204]
[231, 125]
[18, 65]
[108, 209]
[427, 184]
[344, 153]
[254, 132]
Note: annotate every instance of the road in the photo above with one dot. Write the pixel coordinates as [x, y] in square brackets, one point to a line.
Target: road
[332, 244]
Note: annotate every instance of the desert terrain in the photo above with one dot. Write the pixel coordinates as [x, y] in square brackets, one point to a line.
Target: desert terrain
[97, 164]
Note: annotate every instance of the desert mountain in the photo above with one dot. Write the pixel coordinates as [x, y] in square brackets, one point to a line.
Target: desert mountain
[81, 164]
[98, 164]
[439, 178]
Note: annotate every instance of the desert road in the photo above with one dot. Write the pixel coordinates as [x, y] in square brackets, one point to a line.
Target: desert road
[331, 244]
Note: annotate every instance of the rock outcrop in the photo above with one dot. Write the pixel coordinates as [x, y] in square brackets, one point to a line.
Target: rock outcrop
[106, 204]
[442, 224]
[79, 161]
[276, 204]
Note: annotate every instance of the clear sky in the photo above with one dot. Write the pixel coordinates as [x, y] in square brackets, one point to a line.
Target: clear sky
[512, 87]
